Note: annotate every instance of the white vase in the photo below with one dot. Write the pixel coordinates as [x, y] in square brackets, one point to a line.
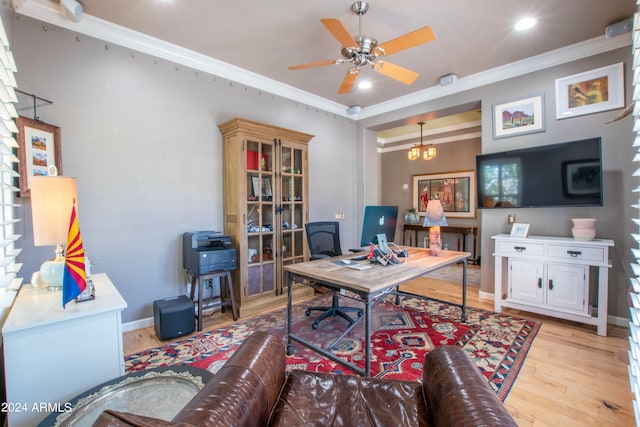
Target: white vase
[583, 228]
[411, 218]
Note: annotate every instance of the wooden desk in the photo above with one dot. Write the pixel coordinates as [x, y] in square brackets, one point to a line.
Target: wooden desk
[462, 232]
[370, 286]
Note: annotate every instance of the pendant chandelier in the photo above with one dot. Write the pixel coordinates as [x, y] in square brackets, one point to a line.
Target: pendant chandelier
[428, 152]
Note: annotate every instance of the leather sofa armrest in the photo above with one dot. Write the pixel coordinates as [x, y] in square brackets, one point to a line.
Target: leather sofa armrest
[245, 390]
[456, 392]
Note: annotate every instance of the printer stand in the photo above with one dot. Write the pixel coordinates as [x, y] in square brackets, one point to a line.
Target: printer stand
[225, 288]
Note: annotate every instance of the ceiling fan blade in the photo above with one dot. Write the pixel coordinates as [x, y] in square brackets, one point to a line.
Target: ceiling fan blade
[415, 38]
[339, 31]
[313, 64]
[396, 72]
[347, 83]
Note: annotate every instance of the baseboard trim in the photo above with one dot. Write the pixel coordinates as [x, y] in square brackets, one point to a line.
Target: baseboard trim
[618, 321]
[147, 322]
[137, 324]
[612, 320]
[485, 295]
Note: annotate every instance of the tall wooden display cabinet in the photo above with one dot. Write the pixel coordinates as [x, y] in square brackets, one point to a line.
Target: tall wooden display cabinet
[265, 209]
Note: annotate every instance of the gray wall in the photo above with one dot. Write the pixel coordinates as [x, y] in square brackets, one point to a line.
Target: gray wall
[141, 136]
[396, 171]
[613, 219]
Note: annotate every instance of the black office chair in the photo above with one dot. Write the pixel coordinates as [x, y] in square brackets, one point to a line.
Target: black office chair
[324, 242]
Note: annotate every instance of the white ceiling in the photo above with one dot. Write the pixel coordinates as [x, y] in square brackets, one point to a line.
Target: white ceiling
[254, 41]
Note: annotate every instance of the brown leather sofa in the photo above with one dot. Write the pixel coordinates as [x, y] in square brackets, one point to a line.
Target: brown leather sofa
[251, 389]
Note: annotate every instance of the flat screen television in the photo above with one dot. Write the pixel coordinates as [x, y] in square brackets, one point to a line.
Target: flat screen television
[566, 174]
[378, 220]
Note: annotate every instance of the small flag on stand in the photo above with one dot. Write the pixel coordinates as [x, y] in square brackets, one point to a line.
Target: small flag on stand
[74, 280]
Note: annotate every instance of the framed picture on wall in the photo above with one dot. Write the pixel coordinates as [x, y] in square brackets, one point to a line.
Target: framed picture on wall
[590, 92]
[456, 191]
[518, 117]
[39, 149]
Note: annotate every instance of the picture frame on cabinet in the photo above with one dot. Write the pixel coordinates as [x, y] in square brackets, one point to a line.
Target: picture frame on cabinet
[261, 187]
[590, 92]
[518, 117]
[519, 230]
[39, 148]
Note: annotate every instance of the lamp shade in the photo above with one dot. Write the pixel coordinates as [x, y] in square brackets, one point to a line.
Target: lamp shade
[435, 214]
[52, 198]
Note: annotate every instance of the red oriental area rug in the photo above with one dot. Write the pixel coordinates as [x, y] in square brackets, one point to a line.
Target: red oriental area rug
[402, 336]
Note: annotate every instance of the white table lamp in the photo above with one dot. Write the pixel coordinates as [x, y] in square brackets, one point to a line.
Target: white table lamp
[52, 198]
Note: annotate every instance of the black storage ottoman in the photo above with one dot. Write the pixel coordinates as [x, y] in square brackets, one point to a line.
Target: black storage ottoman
[173, 317]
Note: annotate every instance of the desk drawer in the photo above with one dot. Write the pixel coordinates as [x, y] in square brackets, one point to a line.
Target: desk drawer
[573, 252]
[522, 248]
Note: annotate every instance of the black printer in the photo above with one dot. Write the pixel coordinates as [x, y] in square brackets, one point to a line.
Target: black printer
[207, 251]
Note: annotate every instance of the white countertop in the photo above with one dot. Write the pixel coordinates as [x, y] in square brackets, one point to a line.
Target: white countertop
[35, 307]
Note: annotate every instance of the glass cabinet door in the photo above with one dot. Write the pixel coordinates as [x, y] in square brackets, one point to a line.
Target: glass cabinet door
[293, 207]
[261, 217]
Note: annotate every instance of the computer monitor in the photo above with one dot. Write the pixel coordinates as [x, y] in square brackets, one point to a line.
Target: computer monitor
[378, 220]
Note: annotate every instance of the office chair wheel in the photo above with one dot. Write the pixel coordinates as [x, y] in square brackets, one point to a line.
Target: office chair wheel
[360, 313]
[308, 313]
[314, 326]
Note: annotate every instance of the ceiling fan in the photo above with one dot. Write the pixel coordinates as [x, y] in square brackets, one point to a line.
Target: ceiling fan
[363, 50]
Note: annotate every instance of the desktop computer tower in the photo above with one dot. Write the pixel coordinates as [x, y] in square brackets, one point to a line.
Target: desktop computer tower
[173, 317]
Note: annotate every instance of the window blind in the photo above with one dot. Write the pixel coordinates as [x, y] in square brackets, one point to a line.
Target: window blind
[634, 294]
[9, 280]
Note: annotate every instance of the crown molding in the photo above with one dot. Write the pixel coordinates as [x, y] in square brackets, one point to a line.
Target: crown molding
[435, 141]
[549, 59]
[50, 12]
[440, 130]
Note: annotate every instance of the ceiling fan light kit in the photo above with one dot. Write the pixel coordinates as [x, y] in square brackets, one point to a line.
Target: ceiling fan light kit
[362, 50]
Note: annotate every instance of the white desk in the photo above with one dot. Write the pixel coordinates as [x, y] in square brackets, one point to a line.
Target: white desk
[52, 354]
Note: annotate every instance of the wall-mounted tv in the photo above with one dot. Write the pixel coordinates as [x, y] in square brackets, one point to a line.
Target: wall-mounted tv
[566, 174]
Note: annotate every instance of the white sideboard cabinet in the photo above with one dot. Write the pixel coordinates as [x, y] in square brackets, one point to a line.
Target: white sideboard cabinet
[550, 276]
[53, 354]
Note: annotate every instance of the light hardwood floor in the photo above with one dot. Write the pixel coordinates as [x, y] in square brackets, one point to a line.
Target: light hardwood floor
[571, 376]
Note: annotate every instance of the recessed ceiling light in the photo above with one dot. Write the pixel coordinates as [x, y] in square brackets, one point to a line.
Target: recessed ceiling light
[525, 23]
[364, 84]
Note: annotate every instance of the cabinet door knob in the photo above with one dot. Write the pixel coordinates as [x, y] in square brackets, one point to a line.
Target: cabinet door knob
[540, 282]
[574, 253]
[520, 248]
[550, 284]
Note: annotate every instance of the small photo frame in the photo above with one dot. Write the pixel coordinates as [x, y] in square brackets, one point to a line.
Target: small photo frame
[519, 230]
[518, 117]
[590, 92]
[261, 187]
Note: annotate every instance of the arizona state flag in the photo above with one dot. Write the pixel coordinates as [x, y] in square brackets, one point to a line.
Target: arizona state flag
[74, 280]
